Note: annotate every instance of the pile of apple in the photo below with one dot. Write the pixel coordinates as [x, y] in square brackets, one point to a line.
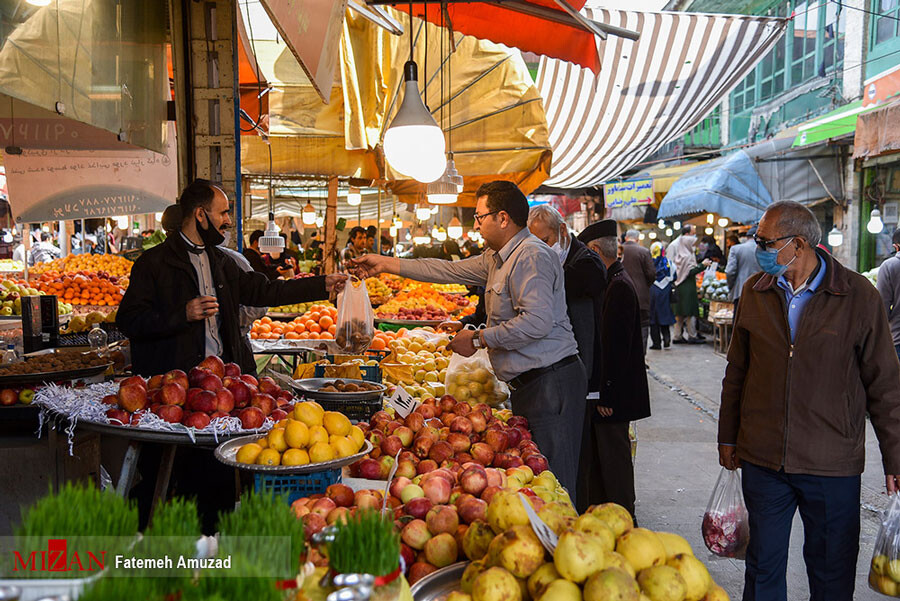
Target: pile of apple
[444, 433]
[210, 391]
[14, 396]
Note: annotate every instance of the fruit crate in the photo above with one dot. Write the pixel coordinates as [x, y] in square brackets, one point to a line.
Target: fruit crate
[370, 373]
[298, 485]
[356, 411]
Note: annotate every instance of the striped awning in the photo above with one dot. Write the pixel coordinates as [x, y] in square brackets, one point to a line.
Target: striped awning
[648, 92]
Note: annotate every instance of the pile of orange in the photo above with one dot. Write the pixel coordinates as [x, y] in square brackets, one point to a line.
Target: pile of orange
[316, 324]
[82, 288]
[112, 264]
[382, 340]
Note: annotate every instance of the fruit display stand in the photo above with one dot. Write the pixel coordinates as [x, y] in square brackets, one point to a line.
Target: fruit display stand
[290, 352]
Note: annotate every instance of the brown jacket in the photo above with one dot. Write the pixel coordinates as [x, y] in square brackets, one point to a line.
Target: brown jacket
[803, 406]
[639, 264]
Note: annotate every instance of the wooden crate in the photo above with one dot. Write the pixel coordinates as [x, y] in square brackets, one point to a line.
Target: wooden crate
[716, 306]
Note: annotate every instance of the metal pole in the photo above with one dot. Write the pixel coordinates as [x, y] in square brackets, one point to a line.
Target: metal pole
[378, 224]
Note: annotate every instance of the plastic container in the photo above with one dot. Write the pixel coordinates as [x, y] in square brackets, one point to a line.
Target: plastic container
[9, 355]
[296, 486]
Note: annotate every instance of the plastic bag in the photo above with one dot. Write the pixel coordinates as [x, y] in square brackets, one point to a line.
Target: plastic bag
[884, 573]
[472, 379]
[355, 320]
[726, 525]
[710, 272]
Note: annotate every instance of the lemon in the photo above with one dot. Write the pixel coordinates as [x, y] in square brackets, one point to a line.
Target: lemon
[357, 436]
[321, 451]
[269, 457]
[295, 457]
[282, 424]
[296, 434]
[317, 434]
[263, 443]
[336, 423]
[310, 413]
[342, 445]
[276, 440]
[248, 453]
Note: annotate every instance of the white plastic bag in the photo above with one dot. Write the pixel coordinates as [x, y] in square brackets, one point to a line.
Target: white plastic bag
[472, 379]
[884, 572]
[355, 320]
[726, 524]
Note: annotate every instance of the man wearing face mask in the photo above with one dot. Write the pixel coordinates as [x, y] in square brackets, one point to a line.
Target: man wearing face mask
[183, 300]
[889, 288]
[810, 356]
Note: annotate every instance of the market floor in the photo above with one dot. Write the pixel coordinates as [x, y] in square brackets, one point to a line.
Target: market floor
[677, 464]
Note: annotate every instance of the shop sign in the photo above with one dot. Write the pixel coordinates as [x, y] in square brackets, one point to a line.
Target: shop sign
[628, 193]
[52, 185]
[879, 88]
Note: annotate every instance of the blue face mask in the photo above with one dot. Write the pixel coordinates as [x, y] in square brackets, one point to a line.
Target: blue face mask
[768, 260]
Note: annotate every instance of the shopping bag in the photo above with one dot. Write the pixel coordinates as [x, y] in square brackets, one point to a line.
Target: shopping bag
[355, 320]
[884, 573]
[726, 525]
[710, 272]
[472, 380]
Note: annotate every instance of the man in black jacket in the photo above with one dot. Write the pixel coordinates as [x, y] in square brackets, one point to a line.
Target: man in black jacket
[183, 300]
[623, 392]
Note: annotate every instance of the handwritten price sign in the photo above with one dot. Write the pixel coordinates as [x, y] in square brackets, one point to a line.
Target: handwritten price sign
[402, 402]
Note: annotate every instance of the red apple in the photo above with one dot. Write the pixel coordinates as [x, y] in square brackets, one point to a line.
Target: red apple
[391, 445]
[217, 415]
[418, 507]
[415, 534]
[496, 439]
[422, 446]
[517, 420]
[265, 402]
[495, 477]
[415, 421]
[447, 403]
[367, 499]
[437, 490]
[172, 394]
[472, 510]
[251, 380]
[427, 411]
[461, 424]
[489, 493]
[312, 524]
[155, 382]
[425, 466]
[538, 463]
[370, 469]
[459, 441]
[462, 409]
[178, 377]
[474, 480]
[482, 453]
[171, 413]
[440, 451]
[232, 369]
[116, 417]
[109, 399]
[513, 437]
[323, 506]
[132, 397]
[409, 556]
[214, 365]
[407, 468]
[134, 380]
[204, 401]
[211, 382]
[278, 415]
[196, 375]
[268, 386]
[479, 423]
[419, 570]
[442, 518]
[405, 434]
[251, 418]
[397, 484]
[241, 392]
[224, 400]
[196, 420]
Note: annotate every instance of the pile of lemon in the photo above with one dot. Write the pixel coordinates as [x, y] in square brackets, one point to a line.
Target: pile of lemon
[310, 435]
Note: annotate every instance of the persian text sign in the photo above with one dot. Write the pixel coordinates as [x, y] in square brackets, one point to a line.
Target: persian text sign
[628, 193]
[50, 185]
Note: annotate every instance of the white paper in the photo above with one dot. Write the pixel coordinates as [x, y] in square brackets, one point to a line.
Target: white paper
[402, 402]
[546, 534]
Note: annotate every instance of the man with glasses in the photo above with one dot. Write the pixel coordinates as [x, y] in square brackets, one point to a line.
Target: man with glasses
[811, 354]
[528, 335]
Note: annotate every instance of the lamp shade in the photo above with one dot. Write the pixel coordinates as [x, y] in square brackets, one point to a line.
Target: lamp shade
[414, 144]
[455, 229]
[271, 241]
[309, 214]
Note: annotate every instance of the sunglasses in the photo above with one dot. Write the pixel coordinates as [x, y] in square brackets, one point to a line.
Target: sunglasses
[764, 244]
[483, 216]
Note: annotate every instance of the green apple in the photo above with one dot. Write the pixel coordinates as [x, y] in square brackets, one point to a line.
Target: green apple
[26, 396]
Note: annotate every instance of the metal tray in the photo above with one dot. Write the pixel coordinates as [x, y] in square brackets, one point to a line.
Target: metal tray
[277, 315]
[53, 376]
[413, 322]
[309, 388]
[226, 452]
[438, 585]
[62, 317]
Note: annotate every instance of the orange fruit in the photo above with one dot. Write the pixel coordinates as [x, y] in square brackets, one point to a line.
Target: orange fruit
[325, 322]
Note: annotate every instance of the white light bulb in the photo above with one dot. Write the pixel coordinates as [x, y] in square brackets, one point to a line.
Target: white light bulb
[661, 224]
[709, 231]
[652, 235]
[835, 237]
[875, 225]
[309, 214]
[710, 218]
[122, 222]
[441, 235]
[454, 228]
[422, 240]
[39, 2]
[408, 237]
[434, 231]
[392, 231]
[434, 210]
[354, 198]
[423, 213]
[158, 216]
[677, 225]
[641, 237]
[669, 232]
[320, 221]
[723, 222]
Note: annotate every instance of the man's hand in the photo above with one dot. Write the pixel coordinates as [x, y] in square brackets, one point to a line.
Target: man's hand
[335, 282]
[450, 326]
[368, 266]
[892, 483]
[728, 457]
[202, 307]
[462, 343]
[604, 411]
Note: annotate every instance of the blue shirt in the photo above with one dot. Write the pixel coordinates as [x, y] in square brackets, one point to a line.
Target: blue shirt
[797, 299]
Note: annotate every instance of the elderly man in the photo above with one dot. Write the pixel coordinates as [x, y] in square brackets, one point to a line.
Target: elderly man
[623, 395]
[528, 336]
[639, 265]
[741, 264]
[889, 288]
[810, 356]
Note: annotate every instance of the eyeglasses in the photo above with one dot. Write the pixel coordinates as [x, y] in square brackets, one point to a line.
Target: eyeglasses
[764, 244]
[482, 217]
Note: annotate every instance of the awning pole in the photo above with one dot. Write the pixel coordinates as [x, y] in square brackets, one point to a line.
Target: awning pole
[378, 223]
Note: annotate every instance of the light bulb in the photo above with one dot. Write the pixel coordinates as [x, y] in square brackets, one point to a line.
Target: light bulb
[408, 237]
[723, 222]
[710, 218]
[414, 144]
[709, 231]
[423, 213]
[677, 225]
[652, 235]
[309, 214]
[46, 228]
[641, 237]
[835, 237]
[661, 224]
[122, 222]
[158, 216]
[422, 240]
[392, 231]
[354, 198]
[434, 210]
[441, 235]
[669, 232]
[875, 225]
[270, 241]
[320, 221]
[434, 231]
[396, 221]
[39, 2]
[454, 228]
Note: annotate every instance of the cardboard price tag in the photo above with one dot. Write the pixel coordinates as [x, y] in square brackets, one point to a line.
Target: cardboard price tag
[402, 402]
[544, 533]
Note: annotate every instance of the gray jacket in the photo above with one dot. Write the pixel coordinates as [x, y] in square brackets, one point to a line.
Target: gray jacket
[741, 265]
[889, 288]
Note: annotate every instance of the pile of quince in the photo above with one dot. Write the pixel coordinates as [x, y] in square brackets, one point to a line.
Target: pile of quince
[11, 293]
[299, 307]
[427, 360]
[79, 323]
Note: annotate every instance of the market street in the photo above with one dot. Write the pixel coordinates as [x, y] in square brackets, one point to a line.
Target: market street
[677, 466]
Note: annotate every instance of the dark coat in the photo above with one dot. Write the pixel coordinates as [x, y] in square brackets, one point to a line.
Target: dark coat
[639, 264]
[585, 282]
[163, 280]
[622, 369]
[802, 406]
